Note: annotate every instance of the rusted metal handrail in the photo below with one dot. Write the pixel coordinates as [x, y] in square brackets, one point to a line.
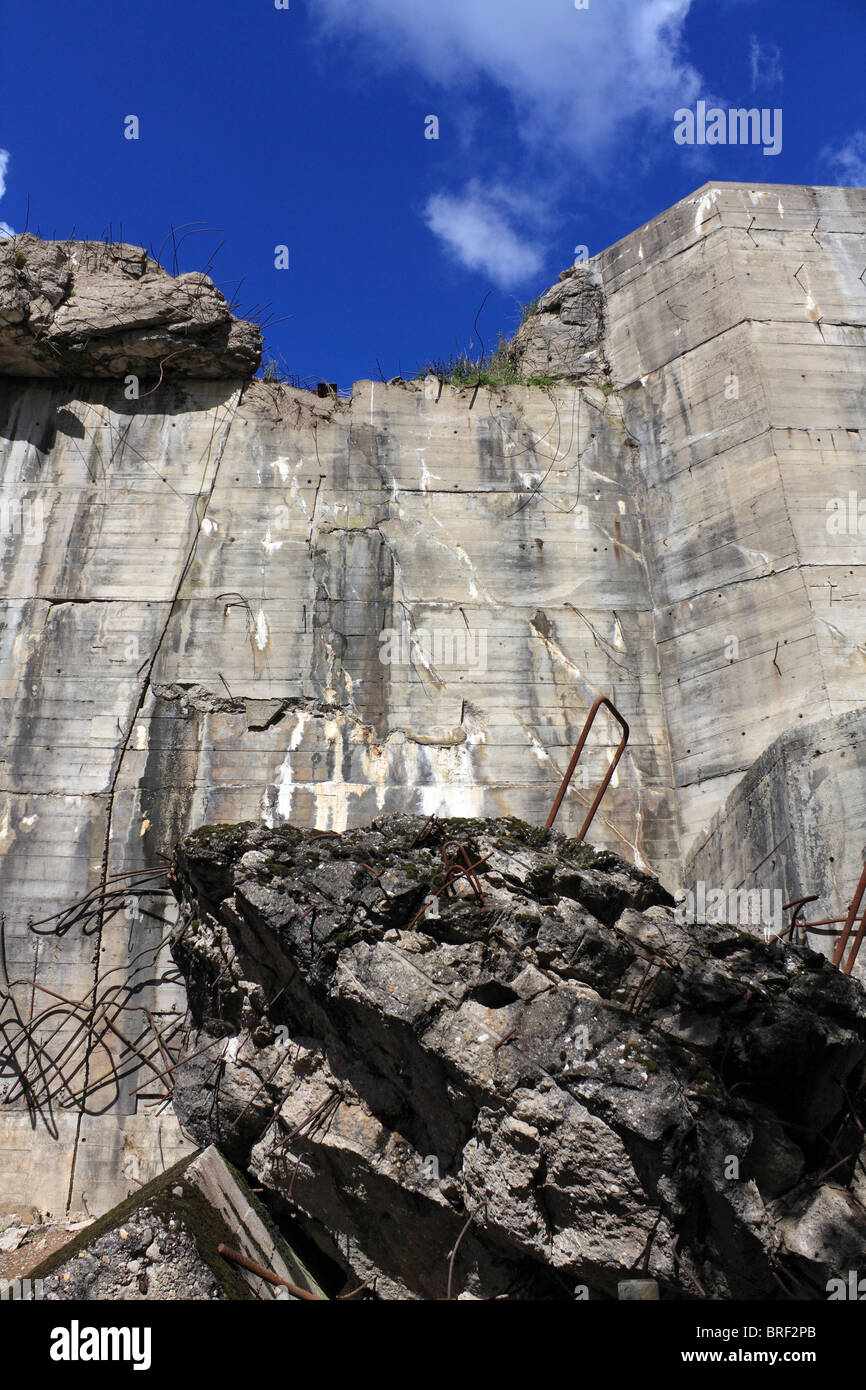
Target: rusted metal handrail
[846, 930]
[602, 700]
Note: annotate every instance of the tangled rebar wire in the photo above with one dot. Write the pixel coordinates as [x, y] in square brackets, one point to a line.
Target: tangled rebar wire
[79, 1053]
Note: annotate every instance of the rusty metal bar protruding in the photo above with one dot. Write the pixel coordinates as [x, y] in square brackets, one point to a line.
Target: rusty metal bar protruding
[858, 942]
[237, 1258]
[791, 930]
[602, 700]
[846, 930]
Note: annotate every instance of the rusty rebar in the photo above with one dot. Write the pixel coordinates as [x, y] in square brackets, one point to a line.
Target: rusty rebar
[858, 942]
[797, 904]
[469, 1220]
[237, 1258]
[849, 922]
[597, 704]
[641, 995]
[422, 832]
[842, 1161]
[449, 883]
[360, 1289]
[182, 1063]
[465, 870]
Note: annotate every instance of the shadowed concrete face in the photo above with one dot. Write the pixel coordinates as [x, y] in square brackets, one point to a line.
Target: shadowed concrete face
[232, 600]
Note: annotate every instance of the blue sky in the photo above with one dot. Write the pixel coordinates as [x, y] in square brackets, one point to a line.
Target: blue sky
[305, 127]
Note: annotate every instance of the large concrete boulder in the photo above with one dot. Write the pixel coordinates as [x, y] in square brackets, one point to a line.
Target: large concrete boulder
[564, 334]
[89, 309]
[596, 1092]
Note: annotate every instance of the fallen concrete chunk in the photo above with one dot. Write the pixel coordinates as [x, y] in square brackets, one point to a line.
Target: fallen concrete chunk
[12, 1238]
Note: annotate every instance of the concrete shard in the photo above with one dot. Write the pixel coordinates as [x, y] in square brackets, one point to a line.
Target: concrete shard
[88, 309]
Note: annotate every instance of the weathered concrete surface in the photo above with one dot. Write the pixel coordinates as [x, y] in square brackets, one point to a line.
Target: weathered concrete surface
[196, 586]
[224, 663]
[88, 309]
[603, 1091]
[736, 326]
[796, 823]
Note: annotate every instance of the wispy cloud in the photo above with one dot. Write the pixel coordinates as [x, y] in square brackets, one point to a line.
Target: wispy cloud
[848, 161]
[575, 77]
[5, 229]
[487, 229]
[765, 62]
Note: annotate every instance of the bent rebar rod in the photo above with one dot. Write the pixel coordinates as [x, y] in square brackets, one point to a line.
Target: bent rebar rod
[602, 700]
[846, 930]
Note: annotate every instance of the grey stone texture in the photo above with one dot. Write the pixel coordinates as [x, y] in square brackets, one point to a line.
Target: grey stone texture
[564, 337]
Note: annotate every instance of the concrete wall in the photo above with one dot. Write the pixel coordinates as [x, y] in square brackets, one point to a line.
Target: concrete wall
[736, 331]
[796, 824]
[196, 637]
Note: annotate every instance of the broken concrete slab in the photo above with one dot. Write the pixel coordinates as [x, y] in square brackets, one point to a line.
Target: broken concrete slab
[163, 1243]
[593, 1089]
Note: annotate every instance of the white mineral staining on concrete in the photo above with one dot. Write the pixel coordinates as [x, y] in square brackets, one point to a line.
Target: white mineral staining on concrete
[445, 778]
[261, 630]
[556, 653]
[285, 780]
[849, 643]
[426, 476]
[705, 206]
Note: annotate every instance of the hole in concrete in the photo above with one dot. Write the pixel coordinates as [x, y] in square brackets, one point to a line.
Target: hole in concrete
[493, 995]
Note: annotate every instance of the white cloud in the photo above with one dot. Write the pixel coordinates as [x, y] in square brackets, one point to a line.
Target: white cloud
[5, 229]
[575, 77]
[765, 63]
[481, 228]
[849, 161]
